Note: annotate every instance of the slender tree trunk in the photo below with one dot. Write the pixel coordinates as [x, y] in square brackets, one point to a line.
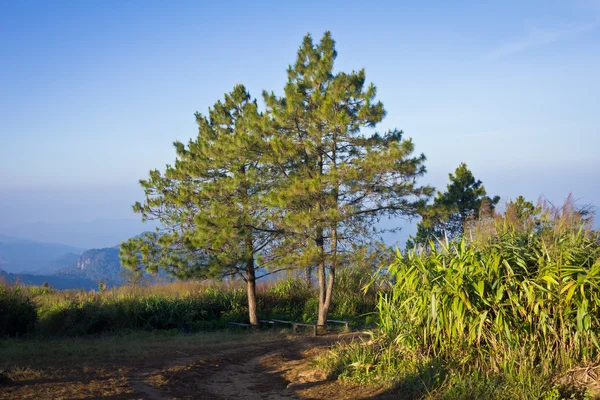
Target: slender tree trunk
[251, 285]
[320, 242]
[322, 314]
[327, 300]
[326, 287]
[250, 267]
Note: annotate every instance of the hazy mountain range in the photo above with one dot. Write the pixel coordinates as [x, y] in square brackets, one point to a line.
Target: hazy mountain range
[57, 282]
[28, 256]
[62, 266]
[96, 265]
[33, 253]
[95, 234]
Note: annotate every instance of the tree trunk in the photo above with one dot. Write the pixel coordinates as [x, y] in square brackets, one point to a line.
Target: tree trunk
[320, 242]
[251, 285]
[322, 314]
[308, 276]
[326, 288]
[324, 310]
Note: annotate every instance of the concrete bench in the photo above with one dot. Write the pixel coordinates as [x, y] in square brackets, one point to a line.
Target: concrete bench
[247, 326]
[335, 321]
[345, 323]
[295, 325]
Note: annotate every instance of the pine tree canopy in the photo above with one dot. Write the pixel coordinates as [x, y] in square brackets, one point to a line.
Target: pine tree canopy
[337, 181]
[300, 185]
[209, 203]
[464, 200]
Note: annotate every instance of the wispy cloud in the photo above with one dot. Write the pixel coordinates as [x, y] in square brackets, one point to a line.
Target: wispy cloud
[538, 38]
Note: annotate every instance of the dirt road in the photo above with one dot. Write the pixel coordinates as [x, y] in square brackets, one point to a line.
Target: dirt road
[270, 368]
[276, 370]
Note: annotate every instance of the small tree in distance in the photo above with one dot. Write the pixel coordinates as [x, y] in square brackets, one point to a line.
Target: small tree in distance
[464, 200]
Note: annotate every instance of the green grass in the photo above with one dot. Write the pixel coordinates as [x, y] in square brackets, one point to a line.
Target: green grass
[17, 312]
[202, 306]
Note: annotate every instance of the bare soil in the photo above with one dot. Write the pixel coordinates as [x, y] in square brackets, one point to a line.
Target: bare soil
[264, 367]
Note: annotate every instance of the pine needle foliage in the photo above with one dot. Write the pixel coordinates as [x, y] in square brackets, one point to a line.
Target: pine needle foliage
[209, 203]
[335, 181]
[463, 202]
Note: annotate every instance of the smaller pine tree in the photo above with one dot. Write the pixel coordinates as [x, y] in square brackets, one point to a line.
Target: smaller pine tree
[464, 200]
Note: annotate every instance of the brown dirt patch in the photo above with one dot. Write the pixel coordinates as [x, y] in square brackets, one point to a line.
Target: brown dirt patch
[281, 370]
[70, 383]
[262, 367]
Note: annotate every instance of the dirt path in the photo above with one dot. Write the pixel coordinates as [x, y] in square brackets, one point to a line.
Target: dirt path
[259, 366]
[273, 371]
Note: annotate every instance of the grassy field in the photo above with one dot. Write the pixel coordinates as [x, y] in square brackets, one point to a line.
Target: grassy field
[196, 306]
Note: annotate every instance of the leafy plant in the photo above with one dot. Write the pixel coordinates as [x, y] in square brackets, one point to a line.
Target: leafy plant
[514, 303]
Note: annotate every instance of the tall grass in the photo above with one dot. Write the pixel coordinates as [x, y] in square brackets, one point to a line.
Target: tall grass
[17, 312]
[514, 303]
[199, 306]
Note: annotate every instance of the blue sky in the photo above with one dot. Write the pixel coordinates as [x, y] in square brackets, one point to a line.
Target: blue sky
[92, 94]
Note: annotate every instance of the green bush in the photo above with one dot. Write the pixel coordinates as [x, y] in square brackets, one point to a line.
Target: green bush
[17, 312]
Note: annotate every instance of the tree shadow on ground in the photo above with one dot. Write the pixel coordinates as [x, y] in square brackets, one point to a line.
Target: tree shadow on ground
[417, 385]
[411, 387]
[306, 382]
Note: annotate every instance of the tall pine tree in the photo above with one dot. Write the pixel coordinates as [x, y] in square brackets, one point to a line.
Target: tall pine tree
[335, 182]
[210, 202]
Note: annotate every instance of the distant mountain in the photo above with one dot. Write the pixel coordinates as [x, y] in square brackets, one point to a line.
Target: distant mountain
[57, 282]
[62, 266]
[56, 265]
[27, 256]
[96, 265]
[88, 235]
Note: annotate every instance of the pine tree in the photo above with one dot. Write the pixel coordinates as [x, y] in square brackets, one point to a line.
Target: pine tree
[464, 200]
[334, 181]
[209, 203]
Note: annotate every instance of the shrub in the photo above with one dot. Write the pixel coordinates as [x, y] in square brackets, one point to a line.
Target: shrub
[17, 312]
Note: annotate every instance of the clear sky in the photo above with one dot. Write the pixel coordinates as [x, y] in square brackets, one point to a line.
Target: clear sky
[93, 93]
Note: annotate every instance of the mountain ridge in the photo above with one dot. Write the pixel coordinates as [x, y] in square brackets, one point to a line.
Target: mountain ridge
[18, 255]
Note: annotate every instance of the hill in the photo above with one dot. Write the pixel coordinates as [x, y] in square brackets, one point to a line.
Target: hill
[27, 256]
[96, 265]
[57, 282]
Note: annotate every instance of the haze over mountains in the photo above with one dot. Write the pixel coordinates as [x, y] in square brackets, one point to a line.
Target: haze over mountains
[66, 255]
[80, 254]
[28, 256]
[95, 234]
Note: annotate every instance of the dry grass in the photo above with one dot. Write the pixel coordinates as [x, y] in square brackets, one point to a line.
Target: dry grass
[170, 290]
[177, 289]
